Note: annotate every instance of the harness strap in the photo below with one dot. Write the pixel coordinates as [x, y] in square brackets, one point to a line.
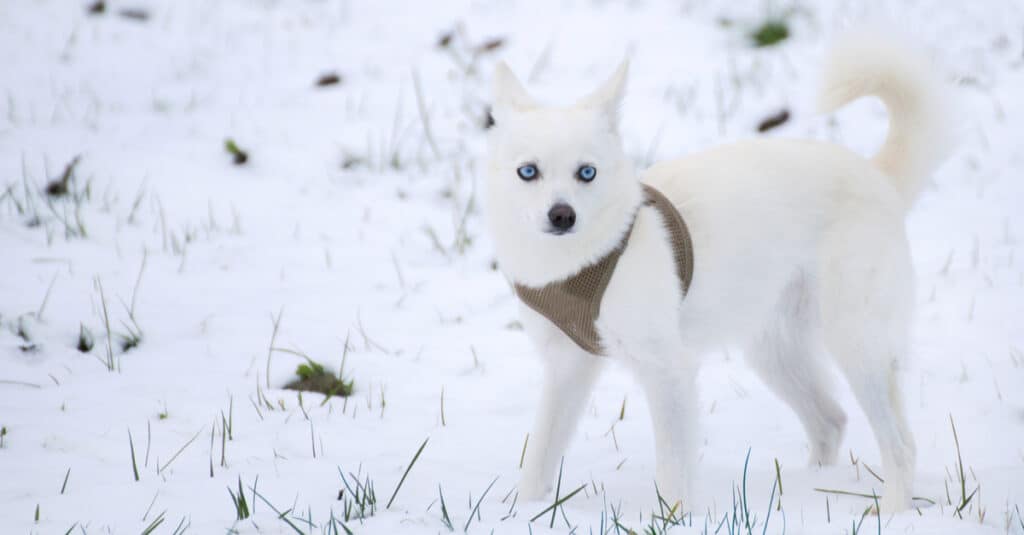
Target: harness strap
[573, 304]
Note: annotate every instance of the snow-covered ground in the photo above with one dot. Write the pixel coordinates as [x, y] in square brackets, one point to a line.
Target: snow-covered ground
[356, 226]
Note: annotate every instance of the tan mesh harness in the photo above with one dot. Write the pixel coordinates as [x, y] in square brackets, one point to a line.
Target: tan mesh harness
[573, 304]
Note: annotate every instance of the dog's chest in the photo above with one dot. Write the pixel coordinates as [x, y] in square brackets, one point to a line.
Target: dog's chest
[630, 298]
[639, 314]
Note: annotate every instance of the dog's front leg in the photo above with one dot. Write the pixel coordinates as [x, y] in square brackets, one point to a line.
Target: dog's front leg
[672, 402]
[569, 375]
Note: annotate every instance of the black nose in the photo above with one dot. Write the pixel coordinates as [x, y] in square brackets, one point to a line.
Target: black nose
[562, 216]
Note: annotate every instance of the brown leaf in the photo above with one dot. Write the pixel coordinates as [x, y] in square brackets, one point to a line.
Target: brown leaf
[490, 45]
[773, 121]
[329, 78]
[136, 14]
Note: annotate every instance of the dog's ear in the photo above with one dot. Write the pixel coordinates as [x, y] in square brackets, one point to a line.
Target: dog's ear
[608, 97]
[509, 94]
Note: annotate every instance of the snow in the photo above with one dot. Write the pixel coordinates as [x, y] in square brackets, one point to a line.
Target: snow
[384, 265]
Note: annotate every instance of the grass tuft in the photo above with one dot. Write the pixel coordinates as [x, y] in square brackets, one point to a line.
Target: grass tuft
[239, 501]
[313, 377]
[965, 499]
[358, 499]
[59, 186]
[24, 331]
[130, 340]
[667, 517]
[85, 339]
[309, 371]
[770, 33]
[238, 156]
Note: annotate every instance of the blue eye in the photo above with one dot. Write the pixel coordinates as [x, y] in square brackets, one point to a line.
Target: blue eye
[528, 171]
[586, 173]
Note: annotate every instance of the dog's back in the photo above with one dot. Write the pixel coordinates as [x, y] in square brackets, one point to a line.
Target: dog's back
[801, 250]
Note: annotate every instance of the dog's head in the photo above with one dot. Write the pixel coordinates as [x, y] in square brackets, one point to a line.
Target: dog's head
[560, 191]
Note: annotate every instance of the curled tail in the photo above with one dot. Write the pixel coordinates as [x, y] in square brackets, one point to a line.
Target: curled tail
[919, 135]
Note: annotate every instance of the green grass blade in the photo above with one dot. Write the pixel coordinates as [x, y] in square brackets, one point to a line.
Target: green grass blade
[400, 481]
[558, 503]
[476, 508]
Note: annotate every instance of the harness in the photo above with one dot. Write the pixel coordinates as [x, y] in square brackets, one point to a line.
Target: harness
[573, 304]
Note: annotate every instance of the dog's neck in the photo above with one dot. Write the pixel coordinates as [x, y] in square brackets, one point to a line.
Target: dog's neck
[553, 258]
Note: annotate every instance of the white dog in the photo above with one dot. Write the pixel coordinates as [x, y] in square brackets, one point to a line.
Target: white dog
[799, 252]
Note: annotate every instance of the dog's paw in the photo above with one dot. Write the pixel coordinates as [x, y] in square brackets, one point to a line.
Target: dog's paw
[674, 493]
[823, 455]
[891, 505]
[532, 489]
[825, 443]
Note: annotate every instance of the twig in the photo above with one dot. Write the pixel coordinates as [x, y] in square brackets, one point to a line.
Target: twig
[138, 281]
[845, 493]
[19, 383]
[176, 454]
[424, 114]
[106, 323]
[46, 298]
[270, 348]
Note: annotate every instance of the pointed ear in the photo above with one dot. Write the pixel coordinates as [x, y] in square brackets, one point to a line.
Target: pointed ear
[509, 94]
[608, 97]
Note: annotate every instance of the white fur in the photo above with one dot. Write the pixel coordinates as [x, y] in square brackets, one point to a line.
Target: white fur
[799, 248]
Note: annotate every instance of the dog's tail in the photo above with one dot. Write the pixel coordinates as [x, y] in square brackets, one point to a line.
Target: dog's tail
[919, 137]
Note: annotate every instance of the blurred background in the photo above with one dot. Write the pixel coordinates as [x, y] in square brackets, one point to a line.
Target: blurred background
[243, 248]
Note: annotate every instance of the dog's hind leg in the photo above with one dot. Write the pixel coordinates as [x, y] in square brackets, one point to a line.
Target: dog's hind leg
[866, 300]
[569, 376]
[790, 358]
